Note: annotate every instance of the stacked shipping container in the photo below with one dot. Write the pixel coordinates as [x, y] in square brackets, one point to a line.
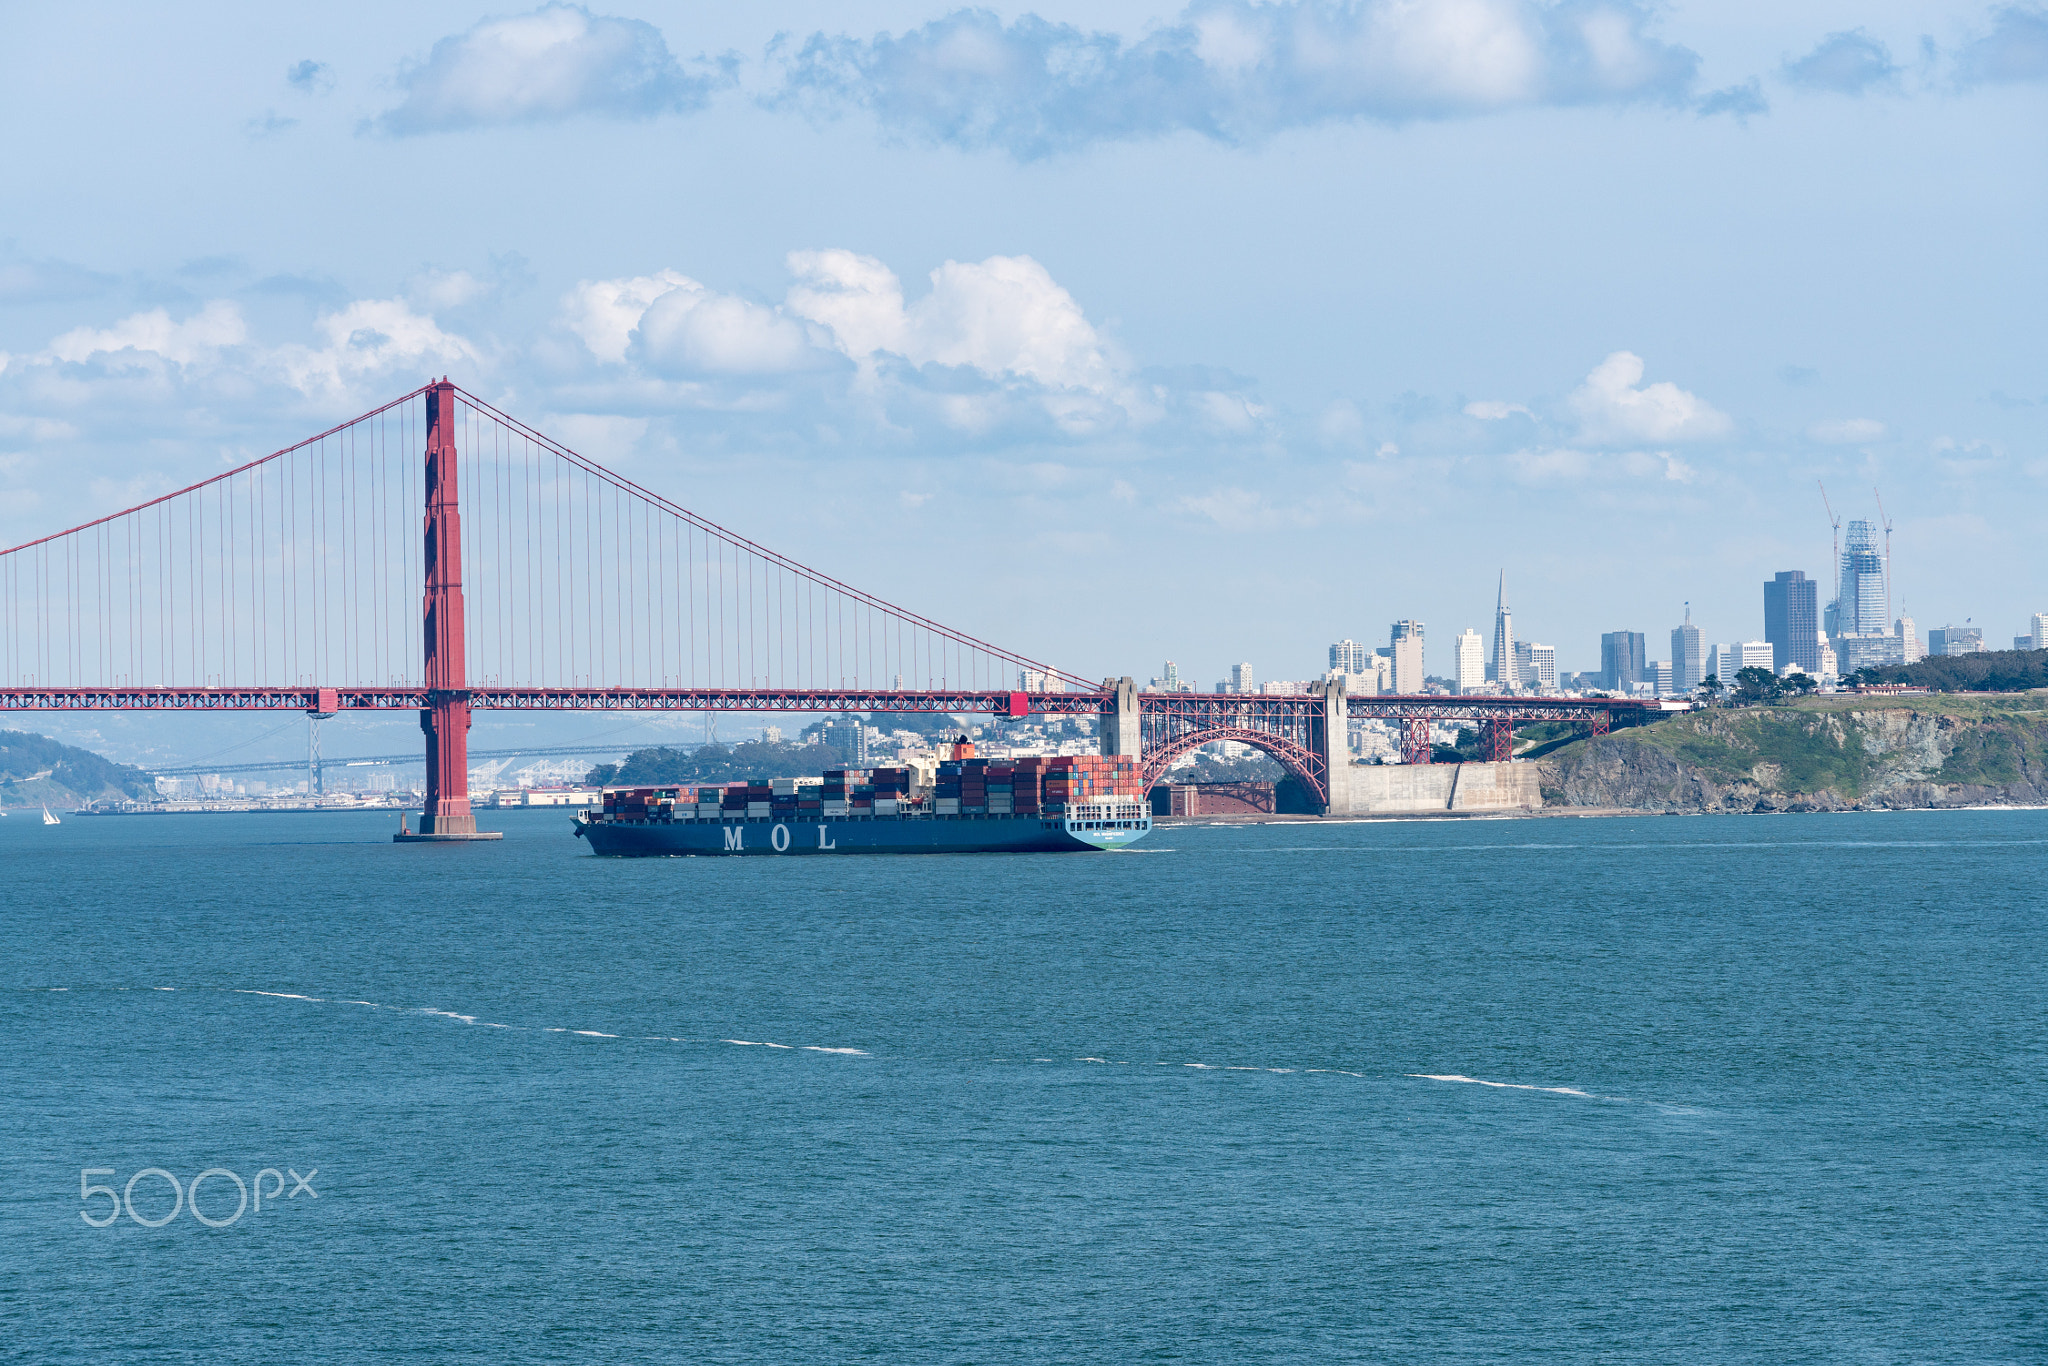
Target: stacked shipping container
[1030, 786]
[865, 792]
[994, 787]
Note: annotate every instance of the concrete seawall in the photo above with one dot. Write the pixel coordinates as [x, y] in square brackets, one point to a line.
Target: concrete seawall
[1434, 789]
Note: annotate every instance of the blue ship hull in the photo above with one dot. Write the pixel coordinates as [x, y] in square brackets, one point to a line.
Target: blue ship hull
[863, 835]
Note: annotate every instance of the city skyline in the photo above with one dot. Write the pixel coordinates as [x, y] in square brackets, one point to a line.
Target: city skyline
[1788, 623]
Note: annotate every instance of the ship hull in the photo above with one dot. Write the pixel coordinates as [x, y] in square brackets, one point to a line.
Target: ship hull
[859, 835]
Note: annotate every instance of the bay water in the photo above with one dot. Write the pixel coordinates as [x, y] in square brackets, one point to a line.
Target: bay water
[1710, 1089]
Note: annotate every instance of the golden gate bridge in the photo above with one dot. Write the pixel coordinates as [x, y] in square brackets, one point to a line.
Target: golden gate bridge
[440, 556]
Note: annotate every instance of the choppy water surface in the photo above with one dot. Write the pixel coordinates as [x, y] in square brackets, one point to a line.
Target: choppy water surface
[1746, 1089]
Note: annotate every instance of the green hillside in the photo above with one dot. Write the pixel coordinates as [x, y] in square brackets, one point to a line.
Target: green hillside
[1828, 752]
[38, 771]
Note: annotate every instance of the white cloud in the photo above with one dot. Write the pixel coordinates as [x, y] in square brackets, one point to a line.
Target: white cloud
[605, 312]
[1615, 408]
[1236, 71]
[1004, 320]
[558, 61]
[1005, 315]
[1494, 410]
[369, 338]
[696, 331]
[857, 298]
[217, 325]
[1846, 431]
[1002, 316]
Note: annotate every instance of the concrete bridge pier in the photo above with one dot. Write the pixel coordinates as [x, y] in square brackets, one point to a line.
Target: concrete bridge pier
[1120, 726]
[1329, 740]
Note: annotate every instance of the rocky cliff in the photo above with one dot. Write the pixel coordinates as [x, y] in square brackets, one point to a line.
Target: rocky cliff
[1824, 754]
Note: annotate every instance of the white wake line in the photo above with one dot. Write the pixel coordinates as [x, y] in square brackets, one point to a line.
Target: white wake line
[1362, 1076]
[1222, 1067]
[1505, 1085]
[541, 1029]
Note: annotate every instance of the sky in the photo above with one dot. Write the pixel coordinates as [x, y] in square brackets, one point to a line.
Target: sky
[1114, 333]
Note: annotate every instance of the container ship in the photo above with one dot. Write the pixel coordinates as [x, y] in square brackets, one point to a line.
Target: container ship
[1068, 804]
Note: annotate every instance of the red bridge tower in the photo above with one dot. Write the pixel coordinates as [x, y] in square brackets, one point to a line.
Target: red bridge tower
[446, 717]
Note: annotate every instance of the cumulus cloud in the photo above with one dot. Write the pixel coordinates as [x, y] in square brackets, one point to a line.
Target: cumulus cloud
[982, 330]
[992, 350]
[699, 332]
[371, 338]
[1846, 431]
[558, 61]
[1846, 63]
[1615, 407]
[676, 326]
[1237, 71]
[605, 312]
[1002, 316]
[2016, 48]
[153, 334]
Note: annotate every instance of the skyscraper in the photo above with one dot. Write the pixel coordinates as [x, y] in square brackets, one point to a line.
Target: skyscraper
[1864, 611]
[1688, 656]
[1348, 657]
[1504, 673]
[1407, 643]
[1471, 662]
[1241, 678]
[1542, 666]
[1955, 640]
[1623, 657]
[848, 736]
[2038, 638]
[1791, 620]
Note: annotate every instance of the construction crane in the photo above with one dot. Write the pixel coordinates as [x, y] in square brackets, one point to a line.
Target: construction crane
[1836, 523]
[1886, 520]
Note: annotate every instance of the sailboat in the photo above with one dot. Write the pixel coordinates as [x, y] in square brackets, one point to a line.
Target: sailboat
[49, 819]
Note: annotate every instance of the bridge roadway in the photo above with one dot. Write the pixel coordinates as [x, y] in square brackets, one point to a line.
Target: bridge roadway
[410, 697]
[1156, 728]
